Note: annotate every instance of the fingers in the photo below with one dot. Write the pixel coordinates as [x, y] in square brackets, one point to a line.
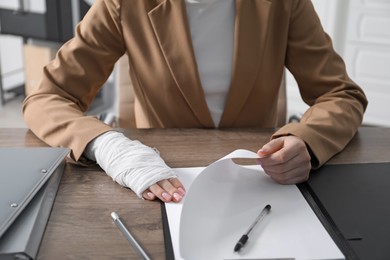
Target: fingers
[292, 172]
[148, 195]
[289, 163]
[271, 147]
[166, 191]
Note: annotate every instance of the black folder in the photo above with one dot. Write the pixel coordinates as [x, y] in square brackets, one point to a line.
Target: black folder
[355, 200]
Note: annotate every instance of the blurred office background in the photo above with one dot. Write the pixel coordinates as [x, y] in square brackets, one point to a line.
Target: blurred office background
[359, 29]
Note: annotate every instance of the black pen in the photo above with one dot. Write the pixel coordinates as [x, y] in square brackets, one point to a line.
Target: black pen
[128, 236]
[245, 237]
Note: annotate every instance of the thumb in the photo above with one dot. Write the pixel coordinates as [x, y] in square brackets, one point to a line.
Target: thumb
[271, 147]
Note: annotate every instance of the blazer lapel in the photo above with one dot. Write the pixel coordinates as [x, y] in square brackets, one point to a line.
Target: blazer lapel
[249, 39]
[170, 25]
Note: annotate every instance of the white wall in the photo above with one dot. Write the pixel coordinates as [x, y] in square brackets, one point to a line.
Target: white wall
[11, 52]
[11, 61]
[367, 54]
[360, 30]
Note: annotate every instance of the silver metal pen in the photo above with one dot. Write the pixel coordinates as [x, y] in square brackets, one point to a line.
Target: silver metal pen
[128, 236]
[244, 238]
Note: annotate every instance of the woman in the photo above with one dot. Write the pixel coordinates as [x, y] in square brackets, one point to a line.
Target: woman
[198, 63]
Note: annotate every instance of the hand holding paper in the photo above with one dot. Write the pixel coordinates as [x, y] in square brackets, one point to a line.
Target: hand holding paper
[286, 160]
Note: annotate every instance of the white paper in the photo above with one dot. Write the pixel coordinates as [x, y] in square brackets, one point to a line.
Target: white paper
[224, 199]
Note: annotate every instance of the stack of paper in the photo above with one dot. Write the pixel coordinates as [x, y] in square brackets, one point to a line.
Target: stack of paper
[224, 199]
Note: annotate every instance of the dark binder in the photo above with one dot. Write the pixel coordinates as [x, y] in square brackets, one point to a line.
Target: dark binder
[169, 255]
[355, 200]
[29, 181]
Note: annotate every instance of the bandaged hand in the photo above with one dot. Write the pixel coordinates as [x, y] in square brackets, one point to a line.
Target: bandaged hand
[136, 166]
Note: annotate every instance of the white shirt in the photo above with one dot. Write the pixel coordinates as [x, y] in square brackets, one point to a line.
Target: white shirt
[212, 31]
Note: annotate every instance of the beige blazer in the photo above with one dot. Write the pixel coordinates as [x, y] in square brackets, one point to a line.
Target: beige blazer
[269, 35]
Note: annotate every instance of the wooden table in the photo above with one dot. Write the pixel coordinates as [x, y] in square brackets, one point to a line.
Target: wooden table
[80, 226]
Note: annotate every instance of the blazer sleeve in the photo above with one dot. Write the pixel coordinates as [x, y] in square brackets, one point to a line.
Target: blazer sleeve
[55, 110]
[336, 103]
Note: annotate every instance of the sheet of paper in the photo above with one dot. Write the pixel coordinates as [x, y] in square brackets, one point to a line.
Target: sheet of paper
[221, 203]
